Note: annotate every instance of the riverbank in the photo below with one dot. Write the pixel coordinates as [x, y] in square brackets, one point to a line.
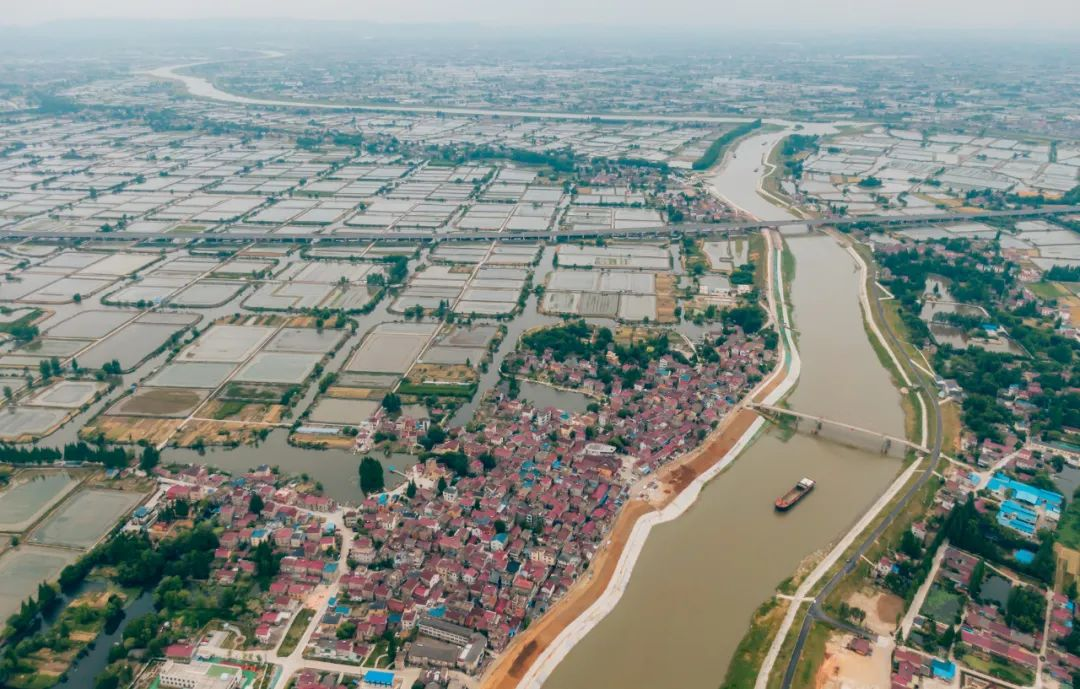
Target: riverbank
[807, 589]
[536, 652]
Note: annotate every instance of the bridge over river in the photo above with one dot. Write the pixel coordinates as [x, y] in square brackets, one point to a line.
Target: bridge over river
[818, 425]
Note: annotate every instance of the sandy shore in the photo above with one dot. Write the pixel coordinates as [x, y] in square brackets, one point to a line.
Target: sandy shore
[538, 650]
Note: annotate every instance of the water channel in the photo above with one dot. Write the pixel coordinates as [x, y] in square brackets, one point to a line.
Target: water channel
[700, 577]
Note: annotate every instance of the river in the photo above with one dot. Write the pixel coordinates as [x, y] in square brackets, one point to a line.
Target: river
[204, 88]
[700, 577]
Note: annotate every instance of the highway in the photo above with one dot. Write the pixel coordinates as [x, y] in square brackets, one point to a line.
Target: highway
[688, 229]
[815, 612]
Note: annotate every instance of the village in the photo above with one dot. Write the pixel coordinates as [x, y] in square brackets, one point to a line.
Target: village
[488, 532]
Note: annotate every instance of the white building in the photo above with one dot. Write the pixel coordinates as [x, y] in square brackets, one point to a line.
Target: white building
[197, 675]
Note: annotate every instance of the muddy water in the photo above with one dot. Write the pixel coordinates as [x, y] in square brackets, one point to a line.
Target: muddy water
[700, 577]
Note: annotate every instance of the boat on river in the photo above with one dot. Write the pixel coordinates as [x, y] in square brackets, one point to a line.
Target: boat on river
[799, 491]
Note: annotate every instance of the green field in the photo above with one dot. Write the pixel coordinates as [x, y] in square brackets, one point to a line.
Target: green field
[942, 605]
[296, 630]
[998, 668]
[447, 390]
[1047, 290]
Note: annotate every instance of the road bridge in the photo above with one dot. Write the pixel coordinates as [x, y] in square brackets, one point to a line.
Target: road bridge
[817, 423]
[13, 232]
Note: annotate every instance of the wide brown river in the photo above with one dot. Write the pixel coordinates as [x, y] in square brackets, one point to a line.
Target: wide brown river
[701, 576]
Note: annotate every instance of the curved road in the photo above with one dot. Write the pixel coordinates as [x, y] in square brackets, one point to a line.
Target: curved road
[816, 613]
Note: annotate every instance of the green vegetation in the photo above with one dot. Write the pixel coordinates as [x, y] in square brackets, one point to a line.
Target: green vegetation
[560, 161]
[997, 668]
[1047, 290]
[1068, 533]
[1072, 196]
[228, 408]
[984, 278]
[437, 389]
[391, 403]
[177, 568]
[73, 452]
[694, 259]
[751, 650]
[267, 564]
[149, 458]
[749, 317]
[979, 534]
[792, 152]
[296, 632]
[22, 329]
[743, 275]
[1025, 609]
[713, 153]
[577, 339]
[942, 604]
[371, 476]
[65, 640]
[813, 655]
[268, 394]
[397, 269]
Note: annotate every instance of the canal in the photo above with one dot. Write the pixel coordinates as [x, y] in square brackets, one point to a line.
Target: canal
[700, 577]
[83, 675]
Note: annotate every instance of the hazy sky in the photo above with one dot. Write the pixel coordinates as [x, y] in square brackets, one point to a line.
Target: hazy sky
[1054, 15]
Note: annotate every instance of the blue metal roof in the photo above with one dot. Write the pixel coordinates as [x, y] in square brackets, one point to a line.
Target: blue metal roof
[943, 669]
[379, 677]
[1026, 493]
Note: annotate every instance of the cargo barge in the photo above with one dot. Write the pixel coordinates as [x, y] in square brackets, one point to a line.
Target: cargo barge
[788, 500]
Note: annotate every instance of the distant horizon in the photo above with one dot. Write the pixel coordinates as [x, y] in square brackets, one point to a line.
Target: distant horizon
[909, 40]
[832, 16]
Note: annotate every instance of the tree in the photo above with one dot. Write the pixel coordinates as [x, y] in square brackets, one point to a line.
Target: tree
[433, 437]
[346, 630]
[256, 505]
[1025, 609]
[371, 476]
[750, 318]
[391, 403]
[149, 459]
[978, 573]
[8, 393]
[266, 562]
[947, 638]
[910, 546]
[410, 490]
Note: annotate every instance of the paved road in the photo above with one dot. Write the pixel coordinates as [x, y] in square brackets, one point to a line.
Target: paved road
[13, 233]
[816, 613]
